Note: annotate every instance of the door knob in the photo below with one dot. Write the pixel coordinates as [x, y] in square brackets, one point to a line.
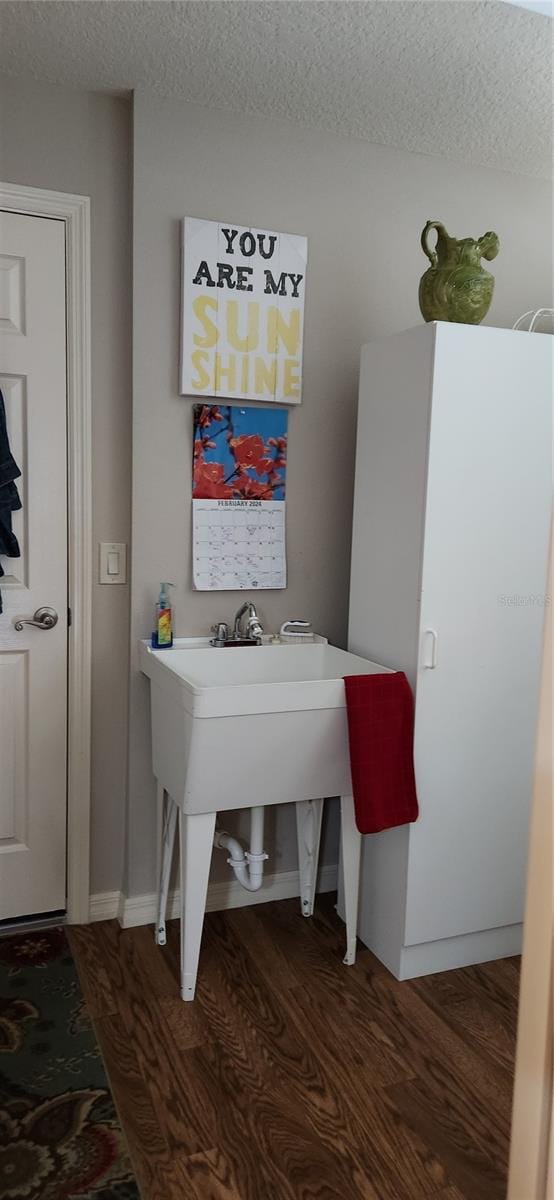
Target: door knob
[44, 618]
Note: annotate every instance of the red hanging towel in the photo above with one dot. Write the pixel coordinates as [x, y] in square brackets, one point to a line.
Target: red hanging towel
[380, 712]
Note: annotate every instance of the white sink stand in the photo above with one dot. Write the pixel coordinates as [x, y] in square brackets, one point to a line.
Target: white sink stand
[219, 718]
[196, 837]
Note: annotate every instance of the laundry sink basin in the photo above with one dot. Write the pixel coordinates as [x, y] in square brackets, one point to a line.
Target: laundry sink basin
[261, 725]
[254, 679]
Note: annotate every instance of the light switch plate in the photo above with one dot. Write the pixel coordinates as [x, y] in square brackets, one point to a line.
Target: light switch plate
[113, 562]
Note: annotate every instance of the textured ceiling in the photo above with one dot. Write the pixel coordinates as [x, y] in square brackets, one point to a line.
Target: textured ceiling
[469, 80]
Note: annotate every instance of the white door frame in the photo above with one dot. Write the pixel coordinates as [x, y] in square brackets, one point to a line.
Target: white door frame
[75, 212]
[532, 1147]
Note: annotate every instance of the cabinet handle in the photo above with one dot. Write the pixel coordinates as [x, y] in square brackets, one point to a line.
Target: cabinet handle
[430, 649]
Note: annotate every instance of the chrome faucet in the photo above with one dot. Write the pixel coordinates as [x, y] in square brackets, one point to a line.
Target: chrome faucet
[254, 630]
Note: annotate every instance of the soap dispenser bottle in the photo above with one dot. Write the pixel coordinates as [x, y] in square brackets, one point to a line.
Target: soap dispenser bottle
[162, 637]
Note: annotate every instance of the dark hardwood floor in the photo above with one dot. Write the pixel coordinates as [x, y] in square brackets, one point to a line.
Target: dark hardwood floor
[292, 1077]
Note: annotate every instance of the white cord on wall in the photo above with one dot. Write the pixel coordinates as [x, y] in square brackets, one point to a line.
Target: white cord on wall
[536, 314]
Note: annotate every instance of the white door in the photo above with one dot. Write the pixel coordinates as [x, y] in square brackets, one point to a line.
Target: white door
[483, 594]
[33, 661]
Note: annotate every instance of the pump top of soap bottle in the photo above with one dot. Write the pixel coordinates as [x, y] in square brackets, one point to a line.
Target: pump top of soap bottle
[163, 600]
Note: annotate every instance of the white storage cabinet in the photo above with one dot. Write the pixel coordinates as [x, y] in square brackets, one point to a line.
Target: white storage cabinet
[449, 564]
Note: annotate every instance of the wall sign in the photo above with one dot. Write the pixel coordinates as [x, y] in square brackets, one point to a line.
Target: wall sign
[238, 497]
[242, 312]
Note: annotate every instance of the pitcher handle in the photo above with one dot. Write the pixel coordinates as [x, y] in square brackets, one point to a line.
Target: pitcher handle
[431, 254]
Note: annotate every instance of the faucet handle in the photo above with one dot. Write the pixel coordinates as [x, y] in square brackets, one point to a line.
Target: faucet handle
[221, 633]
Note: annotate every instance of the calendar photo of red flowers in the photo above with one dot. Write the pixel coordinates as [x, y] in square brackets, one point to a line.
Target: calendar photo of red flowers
[239, 453]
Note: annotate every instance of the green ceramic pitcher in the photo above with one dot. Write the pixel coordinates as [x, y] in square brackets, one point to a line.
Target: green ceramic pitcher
[456, 286]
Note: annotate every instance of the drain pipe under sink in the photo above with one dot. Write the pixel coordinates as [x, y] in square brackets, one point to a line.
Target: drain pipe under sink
[248, 865]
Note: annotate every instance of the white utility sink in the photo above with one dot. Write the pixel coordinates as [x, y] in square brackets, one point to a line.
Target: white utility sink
[246, 727]
[249, 725]
[244, 680]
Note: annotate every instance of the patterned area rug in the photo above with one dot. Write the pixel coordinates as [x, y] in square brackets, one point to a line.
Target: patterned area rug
[59, 1134]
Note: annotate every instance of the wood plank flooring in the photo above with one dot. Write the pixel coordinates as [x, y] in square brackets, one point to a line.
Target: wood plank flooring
[292, 1077]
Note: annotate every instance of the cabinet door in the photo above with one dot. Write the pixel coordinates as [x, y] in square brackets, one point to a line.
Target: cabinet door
[483, 598]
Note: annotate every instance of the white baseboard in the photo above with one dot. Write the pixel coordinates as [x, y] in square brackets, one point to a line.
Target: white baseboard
[141, 910]
[447, 954]
[104, 906]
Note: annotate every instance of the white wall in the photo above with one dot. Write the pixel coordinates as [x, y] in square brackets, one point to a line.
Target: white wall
[79, 142]
[363, 208]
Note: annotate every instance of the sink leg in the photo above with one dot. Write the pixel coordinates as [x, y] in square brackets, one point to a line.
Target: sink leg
[161, 795]
[308, 831]
[351, 841]
[196, 842]
[168, 819]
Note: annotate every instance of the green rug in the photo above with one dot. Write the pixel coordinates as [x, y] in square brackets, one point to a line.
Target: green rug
[60, 1137]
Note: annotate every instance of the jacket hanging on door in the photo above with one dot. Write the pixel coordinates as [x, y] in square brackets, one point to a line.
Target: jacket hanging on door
[9, 495]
